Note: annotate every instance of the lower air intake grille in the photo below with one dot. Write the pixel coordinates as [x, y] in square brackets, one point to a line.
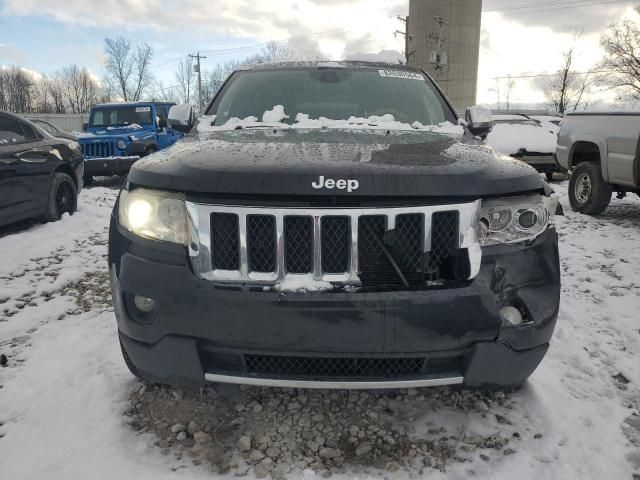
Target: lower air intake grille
[333, 367]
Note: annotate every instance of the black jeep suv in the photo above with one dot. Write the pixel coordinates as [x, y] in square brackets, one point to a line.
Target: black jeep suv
[334, 225]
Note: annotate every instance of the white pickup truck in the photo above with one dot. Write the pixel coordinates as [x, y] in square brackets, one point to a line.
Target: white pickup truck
[601, 149]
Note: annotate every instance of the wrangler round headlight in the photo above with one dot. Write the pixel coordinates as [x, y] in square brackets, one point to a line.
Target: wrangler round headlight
[154, 214]
[121, 144]
[516, 219]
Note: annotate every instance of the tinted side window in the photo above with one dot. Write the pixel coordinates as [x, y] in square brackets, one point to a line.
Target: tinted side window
[10, 131]
[29, 133]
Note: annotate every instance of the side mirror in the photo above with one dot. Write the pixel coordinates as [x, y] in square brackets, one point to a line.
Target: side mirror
[182, 117]
[85, 125]
[479, 121]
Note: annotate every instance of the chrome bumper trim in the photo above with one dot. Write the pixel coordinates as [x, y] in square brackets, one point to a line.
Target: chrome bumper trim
[435, 381]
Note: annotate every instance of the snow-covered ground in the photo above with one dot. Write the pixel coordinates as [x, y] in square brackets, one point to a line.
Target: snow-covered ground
[65, 410]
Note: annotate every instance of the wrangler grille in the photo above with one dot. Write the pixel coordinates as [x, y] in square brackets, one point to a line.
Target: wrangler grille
[98, 149]
[378, 248]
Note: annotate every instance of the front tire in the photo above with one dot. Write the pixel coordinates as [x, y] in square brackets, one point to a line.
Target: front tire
[63, 197]
[588, 192]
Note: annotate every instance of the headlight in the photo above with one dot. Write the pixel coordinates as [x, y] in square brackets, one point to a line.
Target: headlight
[121, 144]
[515, 220]
[154, 214]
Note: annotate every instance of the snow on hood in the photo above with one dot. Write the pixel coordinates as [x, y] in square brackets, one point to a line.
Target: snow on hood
[510, 138]
[274, 119]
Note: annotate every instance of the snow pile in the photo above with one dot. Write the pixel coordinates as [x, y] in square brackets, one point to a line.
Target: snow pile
[274, 119]
[276, 115]
[302, 283]
[510, 138]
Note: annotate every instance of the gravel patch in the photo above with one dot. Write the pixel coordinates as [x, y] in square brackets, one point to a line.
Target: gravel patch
[283, 432]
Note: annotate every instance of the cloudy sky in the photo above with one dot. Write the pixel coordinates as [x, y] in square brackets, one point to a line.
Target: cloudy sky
[519, 37]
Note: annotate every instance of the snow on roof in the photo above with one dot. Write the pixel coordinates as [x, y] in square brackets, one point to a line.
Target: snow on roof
[510, 138]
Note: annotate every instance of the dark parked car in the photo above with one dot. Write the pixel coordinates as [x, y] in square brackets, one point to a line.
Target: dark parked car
[332, 225]
[52, 129]
[40, 175]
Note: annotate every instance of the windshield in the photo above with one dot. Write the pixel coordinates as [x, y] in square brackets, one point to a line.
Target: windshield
[333, 93]
[120, 116]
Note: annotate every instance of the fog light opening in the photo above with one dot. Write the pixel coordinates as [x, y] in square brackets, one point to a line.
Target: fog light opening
[512, 315]
[144, 304]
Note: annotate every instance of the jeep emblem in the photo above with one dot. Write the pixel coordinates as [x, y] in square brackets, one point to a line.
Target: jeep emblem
[349, 185]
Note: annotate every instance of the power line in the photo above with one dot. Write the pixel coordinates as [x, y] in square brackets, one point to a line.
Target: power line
[538, 75]
[312, 36]
[560, 6]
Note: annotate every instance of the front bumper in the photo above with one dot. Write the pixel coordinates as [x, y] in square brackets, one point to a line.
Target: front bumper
[109, 166]
[202, 332]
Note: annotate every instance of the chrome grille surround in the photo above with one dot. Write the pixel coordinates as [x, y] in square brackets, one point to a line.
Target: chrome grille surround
[199, 217]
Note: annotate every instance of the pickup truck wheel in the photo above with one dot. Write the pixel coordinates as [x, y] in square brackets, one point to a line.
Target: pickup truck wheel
[588, 192]
[549, 176]
[63, 198]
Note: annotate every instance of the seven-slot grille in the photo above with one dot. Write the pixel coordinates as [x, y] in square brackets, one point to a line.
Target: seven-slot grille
[98, 149]
[389, 247]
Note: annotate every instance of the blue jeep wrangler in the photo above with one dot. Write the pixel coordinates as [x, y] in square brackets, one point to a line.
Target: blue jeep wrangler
[118, 134]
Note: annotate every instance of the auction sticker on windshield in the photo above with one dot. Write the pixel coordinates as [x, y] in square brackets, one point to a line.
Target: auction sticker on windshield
[401, 74]
[143, 109]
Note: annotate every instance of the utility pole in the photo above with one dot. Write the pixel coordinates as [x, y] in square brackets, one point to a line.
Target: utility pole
[196, 67]
[439, 59]
[407, 36]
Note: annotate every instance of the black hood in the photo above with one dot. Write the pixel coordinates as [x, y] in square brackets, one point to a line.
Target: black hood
[287, 162]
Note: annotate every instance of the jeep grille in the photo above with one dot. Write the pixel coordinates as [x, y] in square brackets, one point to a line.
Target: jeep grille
[409, 247]
[102, 149]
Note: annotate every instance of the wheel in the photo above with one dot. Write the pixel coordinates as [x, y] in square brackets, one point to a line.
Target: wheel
[549, 176]
[588, 192]
[63, 197]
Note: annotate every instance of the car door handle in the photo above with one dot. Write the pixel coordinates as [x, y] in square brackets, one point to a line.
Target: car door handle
[33, 151]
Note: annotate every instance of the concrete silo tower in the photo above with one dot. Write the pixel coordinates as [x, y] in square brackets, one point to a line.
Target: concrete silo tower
[444, 40]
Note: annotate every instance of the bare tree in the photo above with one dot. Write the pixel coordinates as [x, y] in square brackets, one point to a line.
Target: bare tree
[567, 90]
[186, 80]
[15, 90]
[510, 85]
[80, 90]
[621, 63]
[127, 69]
[161, 93]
